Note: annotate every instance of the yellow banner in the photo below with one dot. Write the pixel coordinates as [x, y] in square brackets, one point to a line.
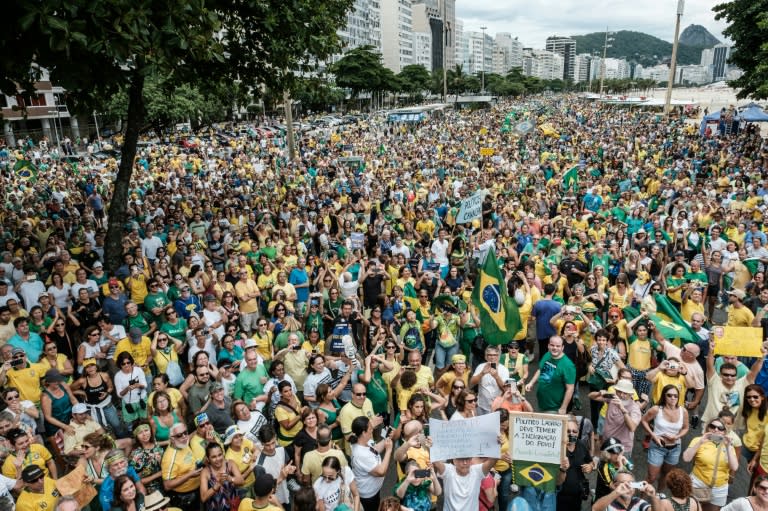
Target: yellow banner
[483, 131]
[740, 341]
[486, 151]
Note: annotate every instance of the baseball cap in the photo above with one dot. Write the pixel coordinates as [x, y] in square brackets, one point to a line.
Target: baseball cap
[53, 375]
[98, 264]
[216, 387]
[32, 473]
[201, 418]
[17, 351]
[738, 293]
[135, 333]
[209, 298]
[250, 343]
[114, 282]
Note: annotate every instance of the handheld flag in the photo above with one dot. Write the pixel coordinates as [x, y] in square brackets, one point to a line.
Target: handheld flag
[752, 264]
[670, 323]
[410, 297]
[499, 315]
[571, 177]
[25, 169]
[541, 476]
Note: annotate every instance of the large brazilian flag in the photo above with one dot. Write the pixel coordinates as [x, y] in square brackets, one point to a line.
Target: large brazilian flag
[499, 316]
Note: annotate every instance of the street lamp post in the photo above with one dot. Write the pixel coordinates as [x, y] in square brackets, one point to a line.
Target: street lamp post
[55, 127]
[482, 79]
[445, 53]
[673, 64]
[602, 62]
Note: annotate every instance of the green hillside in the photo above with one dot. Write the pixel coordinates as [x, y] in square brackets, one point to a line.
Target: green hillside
[636, 47]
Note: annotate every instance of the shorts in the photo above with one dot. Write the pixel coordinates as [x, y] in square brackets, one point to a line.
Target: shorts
[658, 456]
[719, 493]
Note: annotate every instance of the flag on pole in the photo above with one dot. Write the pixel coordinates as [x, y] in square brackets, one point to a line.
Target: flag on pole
[26, 170]
[570, 177]
[499, 315]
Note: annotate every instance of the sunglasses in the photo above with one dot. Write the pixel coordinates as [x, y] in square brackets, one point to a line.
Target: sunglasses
[755, 396]
[728, 375]
[126, 363]
[470, 400]
[180, 435]
[761, 487]
[672, 395]
[94, 334]
[360, 394]
[11, 398]
[459, 387]
[715, 426]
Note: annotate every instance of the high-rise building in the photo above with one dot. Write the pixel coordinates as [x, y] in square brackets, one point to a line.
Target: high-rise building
[566, 48]
[447, 10]
[507, 53]
[582, 67]
[422, 49]
[363, 25]
[542, 64]
[720, 54]
[477, 53]
[396, 34]
[458, 47]
[427, 18]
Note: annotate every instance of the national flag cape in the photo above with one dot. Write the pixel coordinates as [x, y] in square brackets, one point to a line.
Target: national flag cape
[752, 264]
[570, 177]
[499, 315]
[542, 476]
[410, 297]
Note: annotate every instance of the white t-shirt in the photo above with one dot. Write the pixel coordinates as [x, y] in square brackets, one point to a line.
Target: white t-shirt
[440, 251]
[6, 485]
[90, 285]
[329, 491]
[461, 493]
[365, 459]
[211, 317]
[488, 389]
[315, 379]
[61, 297]
[251, 427]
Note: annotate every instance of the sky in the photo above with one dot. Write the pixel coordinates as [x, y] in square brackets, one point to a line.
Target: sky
[532, 22]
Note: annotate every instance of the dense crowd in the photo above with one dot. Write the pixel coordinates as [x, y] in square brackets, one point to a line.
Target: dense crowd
[279, 334]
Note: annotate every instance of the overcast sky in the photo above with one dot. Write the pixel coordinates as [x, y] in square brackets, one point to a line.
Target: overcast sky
[532, 22]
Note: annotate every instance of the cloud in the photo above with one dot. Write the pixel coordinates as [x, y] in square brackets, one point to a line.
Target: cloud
[535, 21]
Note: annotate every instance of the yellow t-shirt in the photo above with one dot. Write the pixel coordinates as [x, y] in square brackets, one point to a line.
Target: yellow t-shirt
[690, 307]
[177, 462]
[250, 505]
[141, 352]
[704, 462]
[37, 455]
[639, 354]
[662, 380]
[263, 344]
[741, 316]
[753, 436]
[349, 412]
[525, 315]
[243, 459]
[285, 436]
[45, 501]
[27, 380]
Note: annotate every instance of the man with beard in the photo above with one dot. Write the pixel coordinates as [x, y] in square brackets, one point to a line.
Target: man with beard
[181, 470]
[117, 464]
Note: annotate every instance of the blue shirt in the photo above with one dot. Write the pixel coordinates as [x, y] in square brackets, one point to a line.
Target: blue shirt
[33, 347]
[543, 311]
[107, 490]
[299, 276]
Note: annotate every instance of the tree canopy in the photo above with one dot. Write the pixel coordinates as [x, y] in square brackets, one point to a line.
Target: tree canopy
[748, 29]
[96, 49]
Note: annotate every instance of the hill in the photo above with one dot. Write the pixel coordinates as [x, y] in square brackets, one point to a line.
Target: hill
[637, 47]
[696, 35]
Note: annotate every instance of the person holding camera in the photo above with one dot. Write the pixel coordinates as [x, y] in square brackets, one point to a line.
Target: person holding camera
[131, 387]
[577, 465]
[714, 459]
[623, 495]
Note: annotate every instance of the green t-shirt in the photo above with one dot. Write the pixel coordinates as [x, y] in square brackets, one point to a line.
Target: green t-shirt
[153, 300]
[248, 384]
[140, 320]
[376, 390]
[554, 376]
[177, 331]
[511, 364]
[281, 341]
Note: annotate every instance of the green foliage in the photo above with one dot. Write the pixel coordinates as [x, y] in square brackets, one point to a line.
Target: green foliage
[361, 70]
[415, 79]
[748, 29]
[637, 47]
[317, 94]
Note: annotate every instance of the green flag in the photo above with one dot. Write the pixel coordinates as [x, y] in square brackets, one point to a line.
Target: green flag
[26, 170]
[542, 476]
[571, 177]
[670, 323]
[752, 264]
[499, 315]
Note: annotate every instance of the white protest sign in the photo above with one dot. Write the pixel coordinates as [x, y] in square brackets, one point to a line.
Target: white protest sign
[465, 438]
[357, 240]
[471, 208]
[536, 437]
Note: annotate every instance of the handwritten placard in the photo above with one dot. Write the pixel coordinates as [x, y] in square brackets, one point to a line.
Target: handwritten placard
[465, 438]
[357, 240]
[487, 151]
[536, 437]
[471, 208]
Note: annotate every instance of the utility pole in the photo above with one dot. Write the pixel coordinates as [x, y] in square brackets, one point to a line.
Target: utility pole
[287, 104]
[673, 64]
[482, 63]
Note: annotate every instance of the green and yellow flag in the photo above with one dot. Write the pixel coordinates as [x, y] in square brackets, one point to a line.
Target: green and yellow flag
[410, 297]
[571, 177]
[499, 315]
[26, 170]
[542, 476]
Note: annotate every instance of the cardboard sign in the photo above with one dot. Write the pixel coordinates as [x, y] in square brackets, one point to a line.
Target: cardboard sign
[487, 151]
[739, 341]
[538, 437]
[471, 208]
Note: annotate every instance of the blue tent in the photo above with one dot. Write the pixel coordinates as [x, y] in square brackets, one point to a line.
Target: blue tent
[753, 113]
[714, 117]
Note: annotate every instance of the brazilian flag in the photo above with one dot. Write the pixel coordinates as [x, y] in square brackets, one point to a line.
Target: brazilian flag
[410, 297]
[542, 476]
[26, 170]
[752, 264]
[499, 315]
[571, 177]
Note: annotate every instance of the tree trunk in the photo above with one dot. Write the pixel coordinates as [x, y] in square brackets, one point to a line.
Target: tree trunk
[288, 107]
[119, 204]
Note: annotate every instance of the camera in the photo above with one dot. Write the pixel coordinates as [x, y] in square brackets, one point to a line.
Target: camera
[17, 363]
[133, 381]
[673, 365]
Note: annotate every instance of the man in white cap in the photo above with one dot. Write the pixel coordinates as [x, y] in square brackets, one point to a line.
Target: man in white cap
[82, 425]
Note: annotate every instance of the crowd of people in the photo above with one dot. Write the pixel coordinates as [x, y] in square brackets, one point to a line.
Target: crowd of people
[279, 334]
